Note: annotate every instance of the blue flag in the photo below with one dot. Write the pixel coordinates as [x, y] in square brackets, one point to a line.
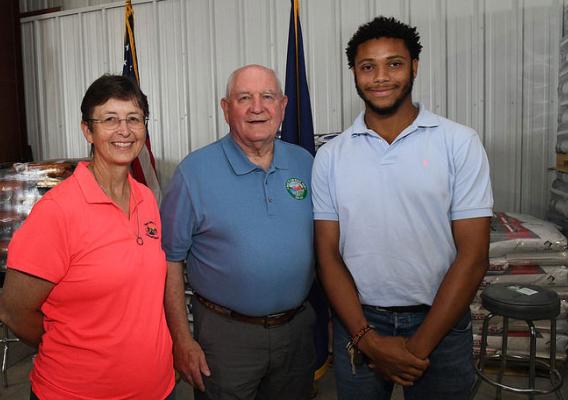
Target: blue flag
[297, 126]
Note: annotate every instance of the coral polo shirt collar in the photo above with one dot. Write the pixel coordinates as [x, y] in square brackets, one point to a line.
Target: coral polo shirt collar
[424, 119]
[94, 194]
[240, 163]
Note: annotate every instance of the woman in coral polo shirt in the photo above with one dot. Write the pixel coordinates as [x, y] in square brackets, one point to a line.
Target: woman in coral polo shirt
[86, 272]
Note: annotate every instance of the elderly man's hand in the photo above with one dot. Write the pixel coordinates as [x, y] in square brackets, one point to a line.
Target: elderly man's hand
[390, 358]
[189, 361]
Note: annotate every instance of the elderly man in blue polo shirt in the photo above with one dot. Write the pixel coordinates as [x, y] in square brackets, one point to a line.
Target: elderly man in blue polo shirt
[402, 203]
[238, 212]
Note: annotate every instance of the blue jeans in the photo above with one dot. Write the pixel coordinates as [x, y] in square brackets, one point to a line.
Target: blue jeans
[450, 375]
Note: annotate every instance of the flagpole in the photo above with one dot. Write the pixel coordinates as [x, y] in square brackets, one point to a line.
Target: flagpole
[297, 62]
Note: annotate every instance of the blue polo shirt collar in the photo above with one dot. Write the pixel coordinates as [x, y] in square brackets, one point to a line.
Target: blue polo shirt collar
[425, 119]
[240, 163]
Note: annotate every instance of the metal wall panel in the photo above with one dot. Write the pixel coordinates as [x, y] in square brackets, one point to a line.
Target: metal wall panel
[540, 82]
[71, 71]
[48, 47]
[36, 5]
[160, 73]
[464, 63]
[430, 19]
[503, 95]
[489, 64]
[399, 9]
[323, 59]
[201, 78]
[31, 91]
[352, 14]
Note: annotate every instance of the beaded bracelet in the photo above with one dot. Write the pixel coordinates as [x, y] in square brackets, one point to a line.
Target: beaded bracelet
[355, 339]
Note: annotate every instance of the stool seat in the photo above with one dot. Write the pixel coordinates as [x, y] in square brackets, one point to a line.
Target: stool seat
[520, 301]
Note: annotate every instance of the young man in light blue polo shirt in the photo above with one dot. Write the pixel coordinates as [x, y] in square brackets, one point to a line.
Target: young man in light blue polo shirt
[239, 213]
[402, 203]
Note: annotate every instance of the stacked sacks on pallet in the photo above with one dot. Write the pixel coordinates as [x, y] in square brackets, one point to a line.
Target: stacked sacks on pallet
[525, 250]
[517, 233]
[21, 186]
[558, 210]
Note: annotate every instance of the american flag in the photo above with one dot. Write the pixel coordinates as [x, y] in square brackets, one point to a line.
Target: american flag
[143, 167]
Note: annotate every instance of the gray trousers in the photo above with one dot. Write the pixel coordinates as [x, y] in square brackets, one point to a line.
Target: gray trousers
[250, 362]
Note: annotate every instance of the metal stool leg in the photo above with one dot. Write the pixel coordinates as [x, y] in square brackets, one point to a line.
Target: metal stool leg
[553, 377]
[4, 341]
[483, 349]
[532, 358]
[503, 366]
[482, 354]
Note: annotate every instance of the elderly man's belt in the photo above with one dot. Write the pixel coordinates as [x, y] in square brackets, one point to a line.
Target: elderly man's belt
[268, 321]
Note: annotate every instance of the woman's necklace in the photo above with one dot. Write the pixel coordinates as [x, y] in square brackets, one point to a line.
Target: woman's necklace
[139, 239]
[107, 192]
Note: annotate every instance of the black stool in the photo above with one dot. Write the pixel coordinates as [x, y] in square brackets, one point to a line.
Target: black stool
[528, 303]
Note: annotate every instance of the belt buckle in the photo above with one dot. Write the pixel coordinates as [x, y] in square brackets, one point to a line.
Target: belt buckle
[266, 323]
[291, 314]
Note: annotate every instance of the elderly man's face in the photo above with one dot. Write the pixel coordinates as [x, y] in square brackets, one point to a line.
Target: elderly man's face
[255, 107]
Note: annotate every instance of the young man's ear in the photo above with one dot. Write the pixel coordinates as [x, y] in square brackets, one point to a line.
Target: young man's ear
[414, 67]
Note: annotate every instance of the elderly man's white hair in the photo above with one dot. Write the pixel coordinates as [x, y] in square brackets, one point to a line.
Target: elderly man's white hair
[231, 80]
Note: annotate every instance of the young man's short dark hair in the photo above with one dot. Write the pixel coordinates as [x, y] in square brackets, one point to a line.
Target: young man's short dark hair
[384, 27]
[112, 87]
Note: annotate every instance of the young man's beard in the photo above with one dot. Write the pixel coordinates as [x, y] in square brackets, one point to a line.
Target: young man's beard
[393, 107]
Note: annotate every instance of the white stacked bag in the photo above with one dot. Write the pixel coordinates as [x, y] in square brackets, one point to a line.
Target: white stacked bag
[524, 250]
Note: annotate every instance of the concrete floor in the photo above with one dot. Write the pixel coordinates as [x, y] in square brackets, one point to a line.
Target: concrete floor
[18, 388]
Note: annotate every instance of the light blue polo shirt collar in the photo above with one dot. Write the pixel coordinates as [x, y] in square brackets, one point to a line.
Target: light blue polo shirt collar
[425, 119]
[240, 163]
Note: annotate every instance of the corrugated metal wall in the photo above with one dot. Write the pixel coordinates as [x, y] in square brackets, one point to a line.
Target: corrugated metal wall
[36, 5]
[490, 64]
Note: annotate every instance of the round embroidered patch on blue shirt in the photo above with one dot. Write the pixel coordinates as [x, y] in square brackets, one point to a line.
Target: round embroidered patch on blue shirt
[297, 188]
